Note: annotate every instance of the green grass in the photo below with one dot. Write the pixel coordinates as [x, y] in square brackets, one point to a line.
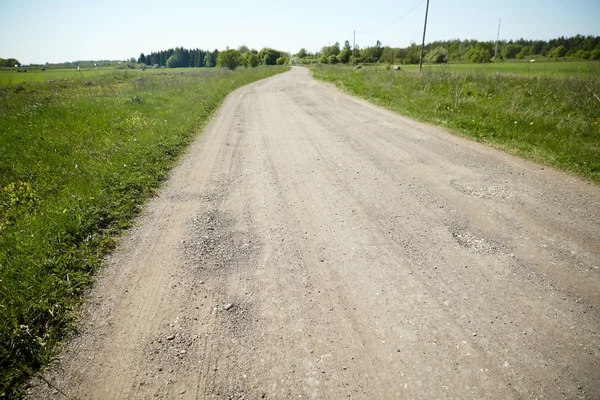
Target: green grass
[77, 163]
[552, 119]
[518, 67]
[10, 76]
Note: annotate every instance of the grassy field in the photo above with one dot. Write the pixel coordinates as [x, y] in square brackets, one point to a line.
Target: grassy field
[552, 118]
[10, 76]
[78, 161]
[538, 68]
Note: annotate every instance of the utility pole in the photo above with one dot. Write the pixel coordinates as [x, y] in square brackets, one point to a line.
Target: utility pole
[423, 44]
[497, 38]
[353, 45]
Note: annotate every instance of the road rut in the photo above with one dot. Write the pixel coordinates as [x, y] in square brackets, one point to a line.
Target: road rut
[312, 245]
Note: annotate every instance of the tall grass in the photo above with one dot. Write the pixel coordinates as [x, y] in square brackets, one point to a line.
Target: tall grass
[554, 120]
[518, 67]
[77, 162]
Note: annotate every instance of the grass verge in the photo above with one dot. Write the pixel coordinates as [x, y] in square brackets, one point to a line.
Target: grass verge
[78, 160]
[554, 120]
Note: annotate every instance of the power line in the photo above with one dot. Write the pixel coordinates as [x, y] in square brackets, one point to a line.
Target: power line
[393, 22]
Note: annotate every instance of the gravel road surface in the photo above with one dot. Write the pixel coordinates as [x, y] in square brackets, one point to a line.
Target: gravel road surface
[312, 245]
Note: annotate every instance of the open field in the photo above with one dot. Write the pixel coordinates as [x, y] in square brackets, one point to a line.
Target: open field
[78, 161]
[538, 68]
[10, 76]
[553, 119]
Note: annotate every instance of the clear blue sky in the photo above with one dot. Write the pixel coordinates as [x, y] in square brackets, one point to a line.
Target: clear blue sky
[37, 31]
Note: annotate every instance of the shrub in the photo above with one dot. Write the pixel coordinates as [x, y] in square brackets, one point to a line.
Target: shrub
[230, 59]
[438, 55]
[511, 50]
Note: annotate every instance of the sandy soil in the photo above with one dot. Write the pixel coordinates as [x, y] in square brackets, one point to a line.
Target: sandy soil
[311, 245]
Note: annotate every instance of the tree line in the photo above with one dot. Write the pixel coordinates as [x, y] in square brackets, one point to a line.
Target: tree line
[9, 62]
[456, 50]
[181, 57]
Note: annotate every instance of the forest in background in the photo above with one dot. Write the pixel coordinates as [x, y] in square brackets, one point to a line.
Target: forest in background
[456, 50]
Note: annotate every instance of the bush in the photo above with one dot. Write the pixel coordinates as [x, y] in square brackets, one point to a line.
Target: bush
[511, 50]
[439, 55]
[558, 52]
[332, 59]
[344, 56]
[479, 54]
[250, 60]
[230, 59]
[281, 61]
[175, 61]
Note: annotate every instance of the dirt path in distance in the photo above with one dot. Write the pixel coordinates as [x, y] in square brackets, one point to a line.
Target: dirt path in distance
[311, 245]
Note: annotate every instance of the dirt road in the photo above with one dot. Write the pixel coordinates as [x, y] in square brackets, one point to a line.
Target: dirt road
[312, 245]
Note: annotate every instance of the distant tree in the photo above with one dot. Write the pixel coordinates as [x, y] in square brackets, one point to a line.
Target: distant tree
[525, 50]
[482, 53]
[413, 54]
[344, 56]
[331, 50]
[243, 49]
[175, 61]
[595, 54]
[230, 59]
[9, 62]
[558, 52]
[142, 59]
[332, 59]
[511, 50]
[250, 60]
[388, 55]
[347, 46]
[208, 60]
[372, 54]
[438, 55]
[301, 53]
[268, 56]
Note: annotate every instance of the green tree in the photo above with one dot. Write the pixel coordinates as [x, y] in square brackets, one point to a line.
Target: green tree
[281, 60]
[268, 56]
[301, 53]
[438, 55]
[511, 51]
[250, 60]
[595, 54]
[347, 46]
[558, 52]
[208, 60]
[142, 59]
[9, 62]
[175, 61]
[482, 53]
[230, 59]
[243, 49]
[344, 56]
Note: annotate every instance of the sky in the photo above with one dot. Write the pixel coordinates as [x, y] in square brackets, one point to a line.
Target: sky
[37, 31]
